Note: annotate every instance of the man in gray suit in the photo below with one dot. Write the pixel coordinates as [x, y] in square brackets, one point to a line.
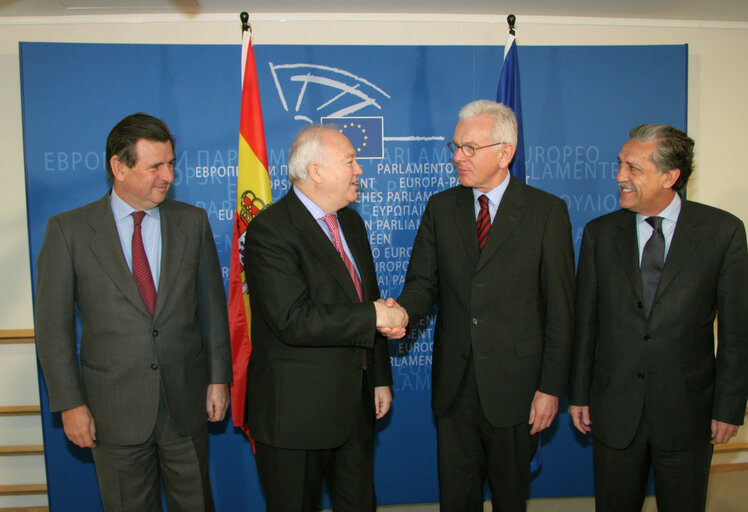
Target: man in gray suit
[645, 380]
[155, 356]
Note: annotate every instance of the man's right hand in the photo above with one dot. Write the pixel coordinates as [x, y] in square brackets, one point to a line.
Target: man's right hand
[79, 426]
[391, 318]
[580, 415]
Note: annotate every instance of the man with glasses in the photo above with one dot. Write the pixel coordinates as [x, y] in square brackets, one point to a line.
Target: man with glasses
[497, 256]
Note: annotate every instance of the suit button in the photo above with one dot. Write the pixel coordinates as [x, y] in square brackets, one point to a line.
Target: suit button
[154, 366]
[464, 356]
[640, 375]
[647, 337]
[475, 321]
[639, 304]
[155, 333]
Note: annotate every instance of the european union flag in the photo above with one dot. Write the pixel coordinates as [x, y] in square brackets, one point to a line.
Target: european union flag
[365, 133]
[508, 93]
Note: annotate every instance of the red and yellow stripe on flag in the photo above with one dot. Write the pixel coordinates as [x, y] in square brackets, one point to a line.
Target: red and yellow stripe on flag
[252, 195]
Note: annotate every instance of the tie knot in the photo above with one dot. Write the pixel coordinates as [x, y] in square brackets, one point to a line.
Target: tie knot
[138, 217]
[483, 201]
[331, 222]
[655, 222]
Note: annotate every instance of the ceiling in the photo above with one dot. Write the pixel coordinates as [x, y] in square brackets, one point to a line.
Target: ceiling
[712, 10]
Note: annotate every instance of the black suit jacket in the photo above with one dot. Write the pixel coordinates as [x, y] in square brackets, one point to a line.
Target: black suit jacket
[623, 360]
[512, 302]
[309, 329]
[124, 352]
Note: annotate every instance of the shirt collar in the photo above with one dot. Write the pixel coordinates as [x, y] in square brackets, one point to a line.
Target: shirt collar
[671, 211]
[494, 195]
[313, 208]
[122, 210]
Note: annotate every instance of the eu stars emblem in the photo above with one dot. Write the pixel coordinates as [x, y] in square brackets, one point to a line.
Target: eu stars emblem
[365, 133]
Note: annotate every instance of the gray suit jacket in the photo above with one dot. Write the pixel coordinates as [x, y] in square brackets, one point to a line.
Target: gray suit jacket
[124, 352]
[624, 361]
[510, 303]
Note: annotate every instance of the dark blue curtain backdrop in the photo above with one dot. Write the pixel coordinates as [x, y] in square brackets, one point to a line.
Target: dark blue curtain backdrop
[578, 102]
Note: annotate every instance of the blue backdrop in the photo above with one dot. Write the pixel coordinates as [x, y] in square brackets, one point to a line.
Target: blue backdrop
[578, 102]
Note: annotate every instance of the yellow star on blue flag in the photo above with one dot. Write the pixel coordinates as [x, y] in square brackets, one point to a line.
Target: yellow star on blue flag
[365, 133]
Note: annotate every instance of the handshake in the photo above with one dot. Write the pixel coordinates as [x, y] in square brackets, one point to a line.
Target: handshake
[391, 318]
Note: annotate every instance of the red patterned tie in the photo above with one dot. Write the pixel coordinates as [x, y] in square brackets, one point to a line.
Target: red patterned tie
[140, 269]
[484, 221]
[332, 223]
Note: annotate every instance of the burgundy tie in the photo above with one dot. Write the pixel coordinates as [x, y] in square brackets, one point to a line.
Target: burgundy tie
[484, 221]
[332, 223]
[140, 269]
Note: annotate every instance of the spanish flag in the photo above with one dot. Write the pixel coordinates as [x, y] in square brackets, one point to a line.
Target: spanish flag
[252, 195]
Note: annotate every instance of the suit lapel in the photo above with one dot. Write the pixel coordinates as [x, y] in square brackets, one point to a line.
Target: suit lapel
[317, 243]
[107, 248]
[628, 251]
[173, 241]
[359, 246]
[508, 216]
[464, 218]
[685, 239]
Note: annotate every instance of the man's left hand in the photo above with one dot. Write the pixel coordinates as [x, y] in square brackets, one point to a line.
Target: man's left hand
[542, 411]
[218, 401]
[382, 400]
[723, 432]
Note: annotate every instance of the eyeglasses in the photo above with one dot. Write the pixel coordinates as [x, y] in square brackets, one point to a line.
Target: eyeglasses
[468, 150]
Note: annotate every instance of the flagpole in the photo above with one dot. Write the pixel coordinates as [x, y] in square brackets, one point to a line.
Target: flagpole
[508, 93]
[253, 194]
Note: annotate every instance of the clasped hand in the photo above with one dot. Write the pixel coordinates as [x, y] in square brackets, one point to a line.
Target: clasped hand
[391, 318]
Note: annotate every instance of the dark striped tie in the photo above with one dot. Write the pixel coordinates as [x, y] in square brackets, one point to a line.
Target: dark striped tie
[484, 221]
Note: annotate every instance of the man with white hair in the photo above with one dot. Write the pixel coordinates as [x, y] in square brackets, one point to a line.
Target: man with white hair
[319, 374]
[497, 256]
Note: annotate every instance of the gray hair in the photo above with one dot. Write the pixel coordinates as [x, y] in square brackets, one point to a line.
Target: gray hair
[308, 147]
[504, 123]
[674, 149]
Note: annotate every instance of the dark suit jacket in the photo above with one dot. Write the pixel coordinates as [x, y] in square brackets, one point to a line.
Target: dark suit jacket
[511, 302]
[123, 350]
[623, 360]
[309, 330]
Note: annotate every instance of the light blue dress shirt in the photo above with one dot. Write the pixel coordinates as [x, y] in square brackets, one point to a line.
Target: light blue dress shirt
[669, 219]
[494, 198]
[150, 229]
[318, 213]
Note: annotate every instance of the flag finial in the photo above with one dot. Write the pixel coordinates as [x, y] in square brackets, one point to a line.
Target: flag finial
[245, 21]
[511, 19]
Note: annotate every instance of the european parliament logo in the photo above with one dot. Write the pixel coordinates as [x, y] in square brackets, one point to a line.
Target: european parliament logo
[308, 90]
[365, 133]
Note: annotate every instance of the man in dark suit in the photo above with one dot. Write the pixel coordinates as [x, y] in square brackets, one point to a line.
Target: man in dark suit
[155, 356]
[319, 372]
[504, 328]
[651, 279]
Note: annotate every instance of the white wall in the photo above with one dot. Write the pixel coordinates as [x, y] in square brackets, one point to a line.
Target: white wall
[717, 105]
